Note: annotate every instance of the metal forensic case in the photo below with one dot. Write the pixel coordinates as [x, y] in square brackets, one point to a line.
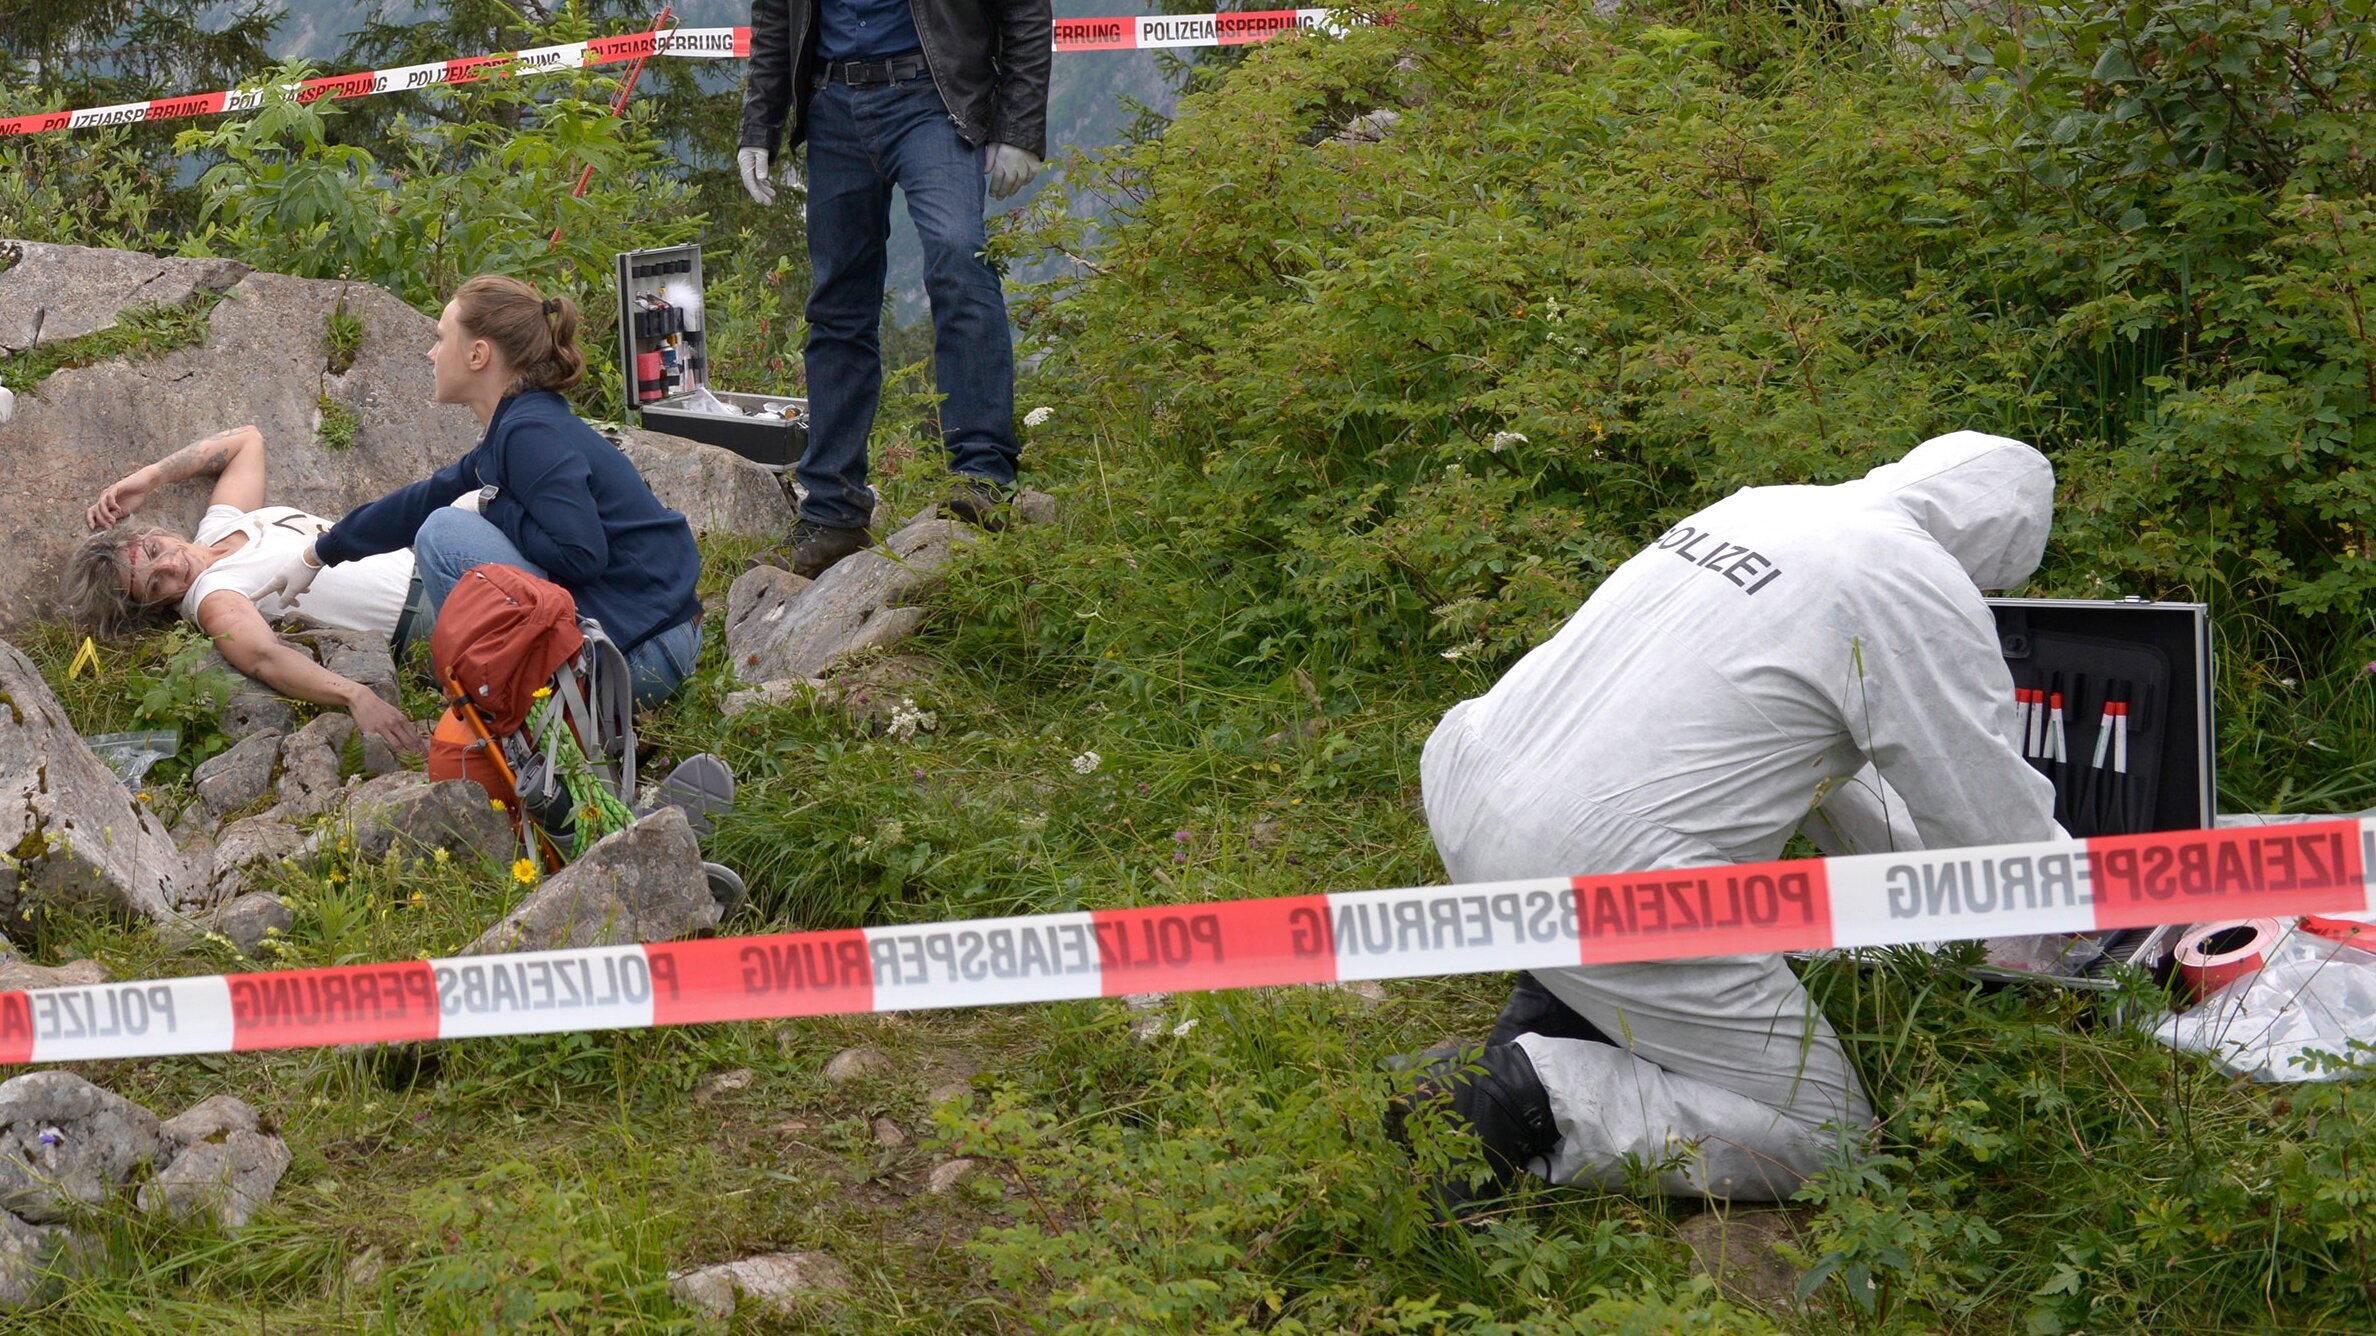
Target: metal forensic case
[647, 333]
[2159, 654]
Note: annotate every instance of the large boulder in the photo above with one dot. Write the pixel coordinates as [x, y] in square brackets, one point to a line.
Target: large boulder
[642, 884]
[779, 626]
[265, 360]
[70, 832]
[717, 490]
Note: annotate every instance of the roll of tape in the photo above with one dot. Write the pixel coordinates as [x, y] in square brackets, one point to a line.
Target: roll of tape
[2213, 955]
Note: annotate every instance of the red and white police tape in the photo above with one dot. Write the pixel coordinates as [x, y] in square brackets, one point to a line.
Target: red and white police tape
[1148, 32]
[1868, 900]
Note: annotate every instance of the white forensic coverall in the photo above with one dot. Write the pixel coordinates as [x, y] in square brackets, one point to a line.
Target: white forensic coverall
[1751, 670]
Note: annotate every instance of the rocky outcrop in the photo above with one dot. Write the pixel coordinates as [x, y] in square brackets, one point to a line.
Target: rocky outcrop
[70, 833]
[717, 490]
[642, 884]
[264, 361]
[780, 626]
[68, 1146]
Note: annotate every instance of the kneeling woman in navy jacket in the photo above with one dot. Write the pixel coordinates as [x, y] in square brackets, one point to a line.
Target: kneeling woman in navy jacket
[560, 501]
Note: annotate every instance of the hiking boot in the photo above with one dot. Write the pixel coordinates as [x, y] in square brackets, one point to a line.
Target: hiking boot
[1493, 1091]
[977, 501]
[812, 548]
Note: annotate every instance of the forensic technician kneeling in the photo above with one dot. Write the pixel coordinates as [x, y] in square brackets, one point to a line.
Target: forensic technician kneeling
[1800, 657]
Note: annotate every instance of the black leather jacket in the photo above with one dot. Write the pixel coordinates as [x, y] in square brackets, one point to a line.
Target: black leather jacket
[989, 59]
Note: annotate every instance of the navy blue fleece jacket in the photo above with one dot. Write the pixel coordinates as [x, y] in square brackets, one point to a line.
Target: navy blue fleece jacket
[570, 502]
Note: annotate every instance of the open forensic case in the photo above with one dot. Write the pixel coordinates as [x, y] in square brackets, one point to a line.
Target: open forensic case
[664, 356]
[2112, 704]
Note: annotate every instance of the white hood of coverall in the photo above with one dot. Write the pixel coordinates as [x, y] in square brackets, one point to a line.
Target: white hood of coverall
[1989, 500]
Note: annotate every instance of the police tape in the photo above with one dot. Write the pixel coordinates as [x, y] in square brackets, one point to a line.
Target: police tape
[1866, 900]
[1149, 32]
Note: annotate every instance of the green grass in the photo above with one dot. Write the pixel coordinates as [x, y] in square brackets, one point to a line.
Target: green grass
[339, 424]
[2039, 1167]
[142, 333]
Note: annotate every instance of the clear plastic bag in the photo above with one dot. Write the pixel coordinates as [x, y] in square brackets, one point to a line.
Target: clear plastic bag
[2310, 996]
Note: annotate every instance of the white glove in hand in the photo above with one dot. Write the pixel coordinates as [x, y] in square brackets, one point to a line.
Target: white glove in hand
[753, 162]
[1009, 169]
[476, 502]
[294, 579]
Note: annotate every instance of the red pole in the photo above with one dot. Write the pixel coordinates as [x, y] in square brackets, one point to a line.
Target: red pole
[664, 23]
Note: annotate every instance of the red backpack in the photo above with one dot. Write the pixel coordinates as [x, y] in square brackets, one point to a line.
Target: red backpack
[499, 636]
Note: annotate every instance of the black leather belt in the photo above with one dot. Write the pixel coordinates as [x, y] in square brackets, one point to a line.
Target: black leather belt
[890, 69]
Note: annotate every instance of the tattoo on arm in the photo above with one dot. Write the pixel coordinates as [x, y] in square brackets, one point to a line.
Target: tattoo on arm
[206, 457]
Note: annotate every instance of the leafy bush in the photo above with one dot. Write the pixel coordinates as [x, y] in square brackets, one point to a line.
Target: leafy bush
[1383, 405]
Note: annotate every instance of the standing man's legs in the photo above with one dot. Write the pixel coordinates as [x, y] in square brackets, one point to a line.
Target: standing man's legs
[849, 220]
[973, 350]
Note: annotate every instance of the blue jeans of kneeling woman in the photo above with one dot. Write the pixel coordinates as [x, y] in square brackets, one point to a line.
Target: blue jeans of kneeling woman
[452, 541]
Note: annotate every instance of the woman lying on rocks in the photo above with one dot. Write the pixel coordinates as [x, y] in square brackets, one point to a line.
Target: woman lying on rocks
[222, 578]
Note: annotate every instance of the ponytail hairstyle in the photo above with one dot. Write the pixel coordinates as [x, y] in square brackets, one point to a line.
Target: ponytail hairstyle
[536, 335]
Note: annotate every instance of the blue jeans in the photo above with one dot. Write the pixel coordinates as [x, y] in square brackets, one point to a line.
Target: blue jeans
[452, 541]
[862, 142]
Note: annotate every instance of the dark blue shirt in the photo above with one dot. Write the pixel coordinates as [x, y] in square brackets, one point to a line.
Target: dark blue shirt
[865, 29]
[570, 502]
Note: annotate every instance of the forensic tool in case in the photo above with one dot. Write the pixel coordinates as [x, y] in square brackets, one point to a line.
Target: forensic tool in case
[664, 356]
[2112, 703]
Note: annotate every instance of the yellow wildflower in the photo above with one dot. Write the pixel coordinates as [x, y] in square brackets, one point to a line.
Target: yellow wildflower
[524, 872]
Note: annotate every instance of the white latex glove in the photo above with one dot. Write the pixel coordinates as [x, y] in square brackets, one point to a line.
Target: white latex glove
[476, 502]
[753, 162]
[1009, 169]
[294, 579]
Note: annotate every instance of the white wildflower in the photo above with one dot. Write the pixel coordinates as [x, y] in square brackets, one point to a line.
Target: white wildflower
[1086, 763]
[1038, 415]
[1459, 652]
[907, 721]
[1503, 440]
[1034, 824]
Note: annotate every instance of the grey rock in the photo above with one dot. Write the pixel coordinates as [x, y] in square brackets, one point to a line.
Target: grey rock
[946, 1175]
[408, 812]
[240, 776]
[868, 694]
[25, 1254]
[763, 696]
[255, 709]
[83, 290]
[715, 489]
[722, 1083]
[229, 1180]
[65, 1142]
[642, 884]
[360, 657]
[379, 758]
[1033, 506]
[856, 1064]
[252, 920]
[19, 973]
[245, 848]
[887, 1134]
[954, 1092]
[779, 627]
[211, 1119]
[262, 362]
[785, 1282]
[74, 834]
[309, 761]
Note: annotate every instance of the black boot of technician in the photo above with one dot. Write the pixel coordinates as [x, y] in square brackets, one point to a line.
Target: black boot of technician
[1493, 1091]
[1534, 1009]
